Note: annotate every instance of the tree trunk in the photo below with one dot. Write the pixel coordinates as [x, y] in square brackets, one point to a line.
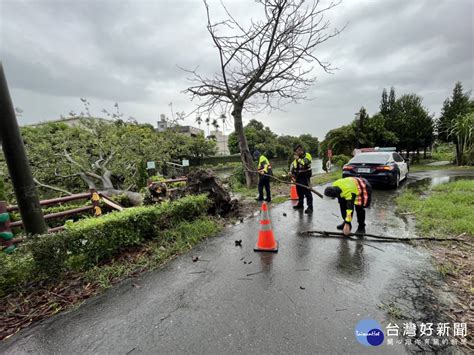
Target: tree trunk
[135, 198]
[458, 155]
[250, 178]
[106, 180]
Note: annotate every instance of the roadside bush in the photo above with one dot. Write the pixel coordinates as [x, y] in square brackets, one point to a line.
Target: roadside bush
[15, 269]
[238, 176]
[94, 240]
[444, 151]
[340, 159]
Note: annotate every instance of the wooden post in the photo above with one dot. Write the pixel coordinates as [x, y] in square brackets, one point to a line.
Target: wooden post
[18, 165]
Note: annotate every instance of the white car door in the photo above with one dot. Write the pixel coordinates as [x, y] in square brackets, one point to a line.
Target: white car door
[402, 165]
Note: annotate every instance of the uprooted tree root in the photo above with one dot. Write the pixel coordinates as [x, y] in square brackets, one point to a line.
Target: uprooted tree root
[203, 181]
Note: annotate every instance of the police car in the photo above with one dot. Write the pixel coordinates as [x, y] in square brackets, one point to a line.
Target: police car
[378, 165]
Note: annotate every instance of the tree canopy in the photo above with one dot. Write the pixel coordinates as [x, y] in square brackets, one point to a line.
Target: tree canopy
[269, 143]
[102, 155]
[265, 62]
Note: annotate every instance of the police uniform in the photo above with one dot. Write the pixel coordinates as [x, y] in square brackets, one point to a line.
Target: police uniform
[264, 181]
[301, 170]
[355, 194]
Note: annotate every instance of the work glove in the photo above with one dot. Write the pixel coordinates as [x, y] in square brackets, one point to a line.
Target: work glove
[347, 229]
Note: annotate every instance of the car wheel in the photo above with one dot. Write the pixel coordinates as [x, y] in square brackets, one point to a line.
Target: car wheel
[396, 183]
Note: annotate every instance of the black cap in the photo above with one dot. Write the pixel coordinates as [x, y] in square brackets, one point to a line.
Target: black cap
[298, 146]
[332, 191]
[256, 154]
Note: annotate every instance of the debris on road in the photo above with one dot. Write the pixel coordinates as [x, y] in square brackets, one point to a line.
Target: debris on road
[254, 273]
[328, 234]
[238, 243]
[284, 214]
[302, 288]
[195, 258]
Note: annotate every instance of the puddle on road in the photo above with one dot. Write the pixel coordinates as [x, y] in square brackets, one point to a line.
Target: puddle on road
[430, 182]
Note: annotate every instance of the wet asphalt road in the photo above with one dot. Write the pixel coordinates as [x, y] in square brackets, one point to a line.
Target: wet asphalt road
[307, 298]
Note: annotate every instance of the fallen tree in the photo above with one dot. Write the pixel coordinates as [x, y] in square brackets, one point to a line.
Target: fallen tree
[382, 238]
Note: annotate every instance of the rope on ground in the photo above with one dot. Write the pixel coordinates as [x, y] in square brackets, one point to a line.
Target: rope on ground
[284, 182]
[383, 238]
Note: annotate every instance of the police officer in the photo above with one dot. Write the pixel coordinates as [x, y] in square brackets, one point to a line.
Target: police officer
[301, 173]
[351, 192]
[263, 167]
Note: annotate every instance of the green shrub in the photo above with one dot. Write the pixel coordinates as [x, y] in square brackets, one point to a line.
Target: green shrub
[340, 159]
[94, 240]
[15, 270]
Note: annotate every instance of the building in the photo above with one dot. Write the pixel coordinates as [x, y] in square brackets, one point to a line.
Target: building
[221, 142]
[162, 124]
[190, 131]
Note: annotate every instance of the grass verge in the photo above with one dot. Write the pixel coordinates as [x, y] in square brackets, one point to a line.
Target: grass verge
[448, 210]
[423, 167]
[174, 241]
[324, 178]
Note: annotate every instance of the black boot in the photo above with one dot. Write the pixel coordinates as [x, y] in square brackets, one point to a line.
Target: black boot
[298, 207]
[360, 229]
[309, 210]
[340, 226]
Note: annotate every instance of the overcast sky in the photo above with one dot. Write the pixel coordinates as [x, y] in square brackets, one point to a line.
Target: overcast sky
[55, 52]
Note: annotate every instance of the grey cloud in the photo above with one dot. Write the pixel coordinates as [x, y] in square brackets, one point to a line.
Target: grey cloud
[128, 51]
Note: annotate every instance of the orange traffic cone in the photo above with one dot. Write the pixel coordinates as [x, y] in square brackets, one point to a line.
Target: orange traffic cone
[266, 239]
[293, 193]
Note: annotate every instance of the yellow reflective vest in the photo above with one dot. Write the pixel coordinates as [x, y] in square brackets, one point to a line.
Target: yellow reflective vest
[264, 164]
[302, 166]
[354, 191]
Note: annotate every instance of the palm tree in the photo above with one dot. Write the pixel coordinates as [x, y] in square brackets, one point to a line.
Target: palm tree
[199, 121]
[224, 120]
[463, 130]
[215, 124]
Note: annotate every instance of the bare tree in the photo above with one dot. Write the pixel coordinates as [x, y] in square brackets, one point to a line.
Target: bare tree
[265, 65]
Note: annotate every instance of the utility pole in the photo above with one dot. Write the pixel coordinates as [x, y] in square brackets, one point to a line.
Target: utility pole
[18, 165]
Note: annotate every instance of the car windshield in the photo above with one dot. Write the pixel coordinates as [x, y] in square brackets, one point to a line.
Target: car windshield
[371, 158]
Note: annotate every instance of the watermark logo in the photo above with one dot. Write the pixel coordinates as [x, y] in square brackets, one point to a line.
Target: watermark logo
[368, 332]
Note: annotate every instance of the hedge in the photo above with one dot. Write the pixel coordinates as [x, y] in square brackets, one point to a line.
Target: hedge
[93, 241]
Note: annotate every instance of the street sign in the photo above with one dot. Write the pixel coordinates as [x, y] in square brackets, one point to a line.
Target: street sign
[185, 162]
[150, 165]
